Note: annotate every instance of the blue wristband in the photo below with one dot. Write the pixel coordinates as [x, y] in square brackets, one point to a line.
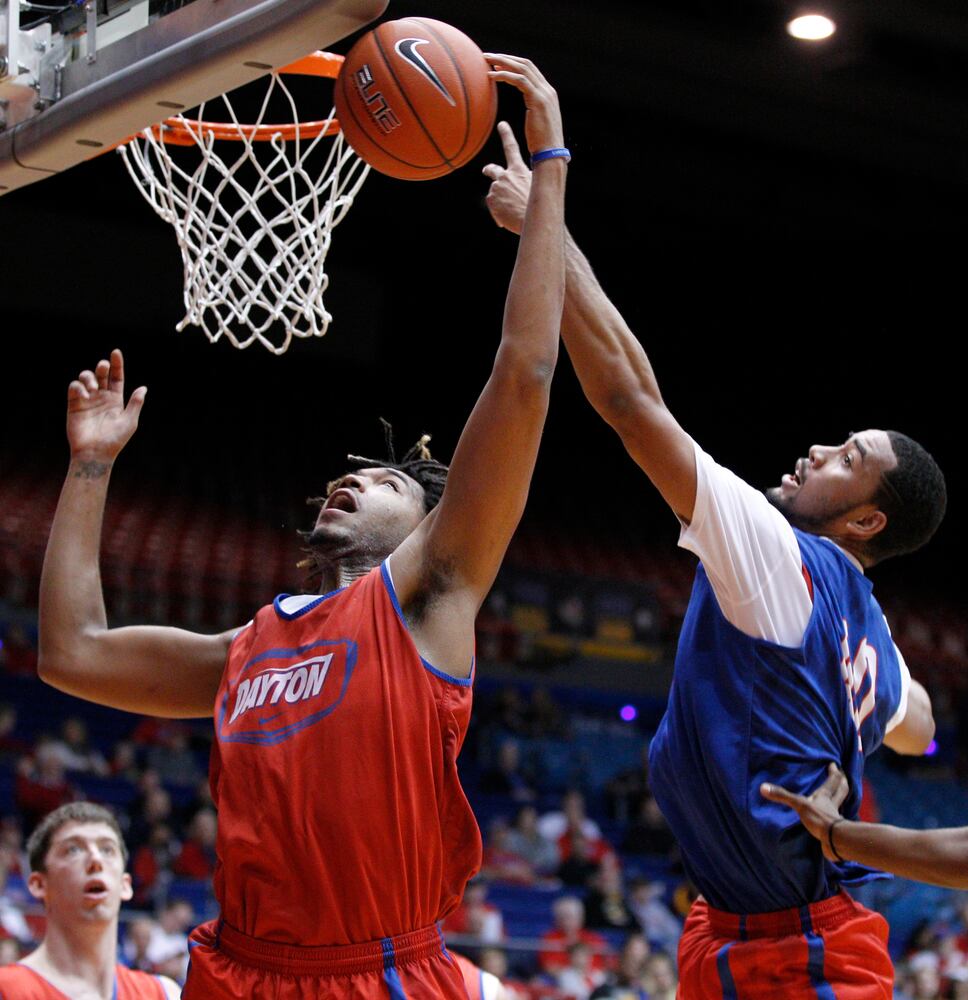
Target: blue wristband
[551, 154]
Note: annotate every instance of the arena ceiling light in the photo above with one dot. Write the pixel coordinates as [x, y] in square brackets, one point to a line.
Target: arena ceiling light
[811, 27]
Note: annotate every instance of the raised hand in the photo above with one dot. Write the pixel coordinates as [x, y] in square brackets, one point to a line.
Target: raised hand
[818, 811]
[542, 123]
[507, 197]
[99, 424]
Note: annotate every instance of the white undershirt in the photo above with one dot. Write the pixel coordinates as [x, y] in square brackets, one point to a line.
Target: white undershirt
[751, 556]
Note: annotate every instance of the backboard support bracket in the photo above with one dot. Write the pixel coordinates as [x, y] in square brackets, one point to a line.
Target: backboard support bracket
[191, 55]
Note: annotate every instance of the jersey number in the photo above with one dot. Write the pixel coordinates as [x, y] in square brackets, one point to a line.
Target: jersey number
[857, 670]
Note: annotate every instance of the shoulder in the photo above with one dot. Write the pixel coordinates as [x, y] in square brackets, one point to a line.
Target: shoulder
[149, 985]
[15, 975]
[18, 982]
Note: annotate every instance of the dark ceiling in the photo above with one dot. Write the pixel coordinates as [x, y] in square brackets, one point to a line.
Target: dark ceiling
[783, 226]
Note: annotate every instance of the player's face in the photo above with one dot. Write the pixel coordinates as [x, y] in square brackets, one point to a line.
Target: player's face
[370, 511]
[85, 877]
[834, 480]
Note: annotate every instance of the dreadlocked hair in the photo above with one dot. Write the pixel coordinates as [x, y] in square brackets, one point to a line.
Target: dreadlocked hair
[417, 463]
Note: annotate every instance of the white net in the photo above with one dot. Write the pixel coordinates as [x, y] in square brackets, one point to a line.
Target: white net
[254, 219]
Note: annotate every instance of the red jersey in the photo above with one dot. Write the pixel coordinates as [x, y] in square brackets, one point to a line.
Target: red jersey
[341, 816]
[18, 982]
[473, 977]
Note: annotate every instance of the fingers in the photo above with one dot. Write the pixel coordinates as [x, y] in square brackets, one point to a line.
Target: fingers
[520, 73]
[107, 375]
[492, 171]
[776, 793]
[116, 380]
[136, 401]
[516, 80]
[520, 65]
[76, 392]
[512, 152]
[836, 786]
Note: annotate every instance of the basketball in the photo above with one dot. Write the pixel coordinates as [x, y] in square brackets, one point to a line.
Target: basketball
[414, 99]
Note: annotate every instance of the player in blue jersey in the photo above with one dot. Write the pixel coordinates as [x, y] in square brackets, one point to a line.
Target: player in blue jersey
[784, 663]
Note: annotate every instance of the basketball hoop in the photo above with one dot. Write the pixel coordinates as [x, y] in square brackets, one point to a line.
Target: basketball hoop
[253, 228]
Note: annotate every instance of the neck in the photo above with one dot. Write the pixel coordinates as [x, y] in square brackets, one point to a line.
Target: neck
[84, 952]
[342, 572]
[851, 548]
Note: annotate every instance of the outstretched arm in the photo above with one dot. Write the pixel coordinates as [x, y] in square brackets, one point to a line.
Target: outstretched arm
[146, 669]
[936, 856]
[611, 364]
[450, 561]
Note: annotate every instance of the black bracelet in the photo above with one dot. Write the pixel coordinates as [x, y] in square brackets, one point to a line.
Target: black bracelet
[830, 840]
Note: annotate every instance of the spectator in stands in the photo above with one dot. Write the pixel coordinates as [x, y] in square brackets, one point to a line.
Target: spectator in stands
[41, 785]
[197, 856]
[650, 833]
[581, 858]
[12, 922]
[172, 758]
[508, 712]
[525, 840]
[75, 751]
[925, 982]
[625, 793]
[507, 777]
[554, 825]
[12, 838]
[475, 916]
[578, 978]
[18, 654]
[124, 762]
[152, 808]
[168, 948]
[661, 981]
[137, 942]
[568, 913]
[659, 924]
[11, 745]
[494, 961]
[627, 982]
[607, 905]
[500, 863]
[151, 865]
[543, 716]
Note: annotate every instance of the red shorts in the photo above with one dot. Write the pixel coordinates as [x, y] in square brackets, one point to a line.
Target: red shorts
[229, 965]
[832, 950]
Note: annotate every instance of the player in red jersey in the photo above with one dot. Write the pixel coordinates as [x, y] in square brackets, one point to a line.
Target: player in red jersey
[344, 835]
[77, 860]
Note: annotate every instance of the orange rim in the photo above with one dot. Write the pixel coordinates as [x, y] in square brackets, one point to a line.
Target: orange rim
[186, 131]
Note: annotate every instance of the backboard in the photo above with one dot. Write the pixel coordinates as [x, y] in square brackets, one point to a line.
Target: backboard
[70, 91]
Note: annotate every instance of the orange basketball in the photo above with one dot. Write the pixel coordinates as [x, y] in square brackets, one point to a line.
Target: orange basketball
[414, 99]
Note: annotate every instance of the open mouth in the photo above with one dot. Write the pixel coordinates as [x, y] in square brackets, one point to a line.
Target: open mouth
[798, 477]
[95, 889]
[342, 499]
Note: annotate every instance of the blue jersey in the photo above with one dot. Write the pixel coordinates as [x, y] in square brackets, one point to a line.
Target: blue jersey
[743, 710]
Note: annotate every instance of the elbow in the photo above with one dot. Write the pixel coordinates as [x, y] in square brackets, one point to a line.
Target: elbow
[530, 371]
[60, 665]
[51, 668]
[627, 409]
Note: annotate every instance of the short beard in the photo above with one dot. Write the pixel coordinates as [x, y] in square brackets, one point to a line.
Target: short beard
[812, 524]
[327, 556]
